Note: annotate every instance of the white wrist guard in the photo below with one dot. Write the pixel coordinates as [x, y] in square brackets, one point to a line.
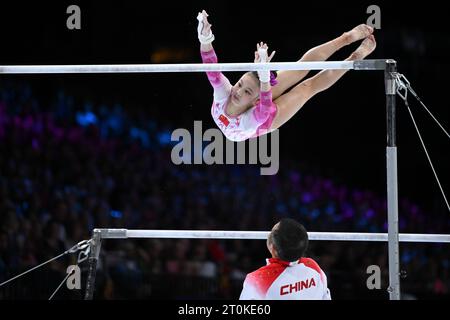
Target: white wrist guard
[203, 39]
[264, 76]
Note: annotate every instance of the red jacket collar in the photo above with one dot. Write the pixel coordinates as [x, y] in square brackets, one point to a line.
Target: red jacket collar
[282, 262]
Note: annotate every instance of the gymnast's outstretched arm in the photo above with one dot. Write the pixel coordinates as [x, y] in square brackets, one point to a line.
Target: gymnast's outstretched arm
[205, 34]
[218, 81]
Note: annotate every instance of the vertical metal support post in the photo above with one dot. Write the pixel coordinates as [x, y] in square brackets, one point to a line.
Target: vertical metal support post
[392, 186]
[94, 254]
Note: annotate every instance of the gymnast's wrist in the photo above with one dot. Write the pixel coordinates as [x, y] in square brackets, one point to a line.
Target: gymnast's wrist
[206, 39]
[264, 76]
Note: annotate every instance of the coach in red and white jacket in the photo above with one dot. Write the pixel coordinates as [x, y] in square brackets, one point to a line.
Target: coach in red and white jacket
[287, 275]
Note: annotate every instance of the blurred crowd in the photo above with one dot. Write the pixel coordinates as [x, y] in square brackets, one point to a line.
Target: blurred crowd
[67, 167]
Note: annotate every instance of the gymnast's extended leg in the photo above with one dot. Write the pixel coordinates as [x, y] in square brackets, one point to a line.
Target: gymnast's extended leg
[289, 103]
[288, 78]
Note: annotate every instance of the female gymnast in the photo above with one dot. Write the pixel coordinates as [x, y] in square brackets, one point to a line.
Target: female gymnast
[258, 103]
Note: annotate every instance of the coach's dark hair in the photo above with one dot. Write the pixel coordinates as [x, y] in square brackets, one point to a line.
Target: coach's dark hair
[290, 240]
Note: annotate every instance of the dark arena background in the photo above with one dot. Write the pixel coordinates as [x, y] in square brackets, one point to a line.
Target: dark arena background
[85, 151]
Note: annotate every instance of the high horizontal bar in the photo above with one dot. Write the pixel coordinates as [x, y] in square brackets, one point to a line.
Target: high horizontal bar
[262, 235]
[192, 67]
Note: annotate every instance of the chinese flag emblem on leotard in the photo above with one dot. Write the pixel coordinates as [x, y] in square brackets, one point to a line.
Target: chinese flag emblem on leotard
[224, 120]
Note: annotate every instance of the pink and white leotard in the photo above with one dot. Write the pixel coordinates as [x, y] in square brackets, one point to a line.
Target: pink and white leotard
[254, 122]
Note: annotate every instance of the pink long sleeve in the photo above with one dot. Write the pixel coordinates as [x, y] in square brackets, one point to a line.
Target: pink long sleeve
[264, 107]
[258, 120]
[217, 79]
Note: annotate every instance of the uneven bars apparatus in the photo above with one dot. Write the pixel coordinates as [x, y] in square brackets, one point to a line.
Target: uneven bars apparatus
[193, 67]
[389, 67]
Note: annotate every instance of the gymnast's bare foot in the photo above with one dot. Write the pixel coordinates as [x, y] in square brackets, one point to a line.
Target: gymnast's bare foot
[357, 33]
[367, 46]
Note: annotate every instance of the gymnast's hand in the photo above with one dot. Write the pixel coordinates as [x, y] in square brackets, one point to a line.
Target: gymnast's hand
[205, 34]
[261, 56]
[261, 53]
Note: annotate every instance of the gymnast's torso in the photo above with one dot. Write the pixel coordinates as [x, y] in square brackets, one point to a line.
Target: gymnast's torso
[252, 123]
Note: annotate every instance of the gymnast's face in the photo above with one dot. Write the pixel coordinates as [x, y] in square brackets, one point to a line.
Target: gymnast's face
[245, 92]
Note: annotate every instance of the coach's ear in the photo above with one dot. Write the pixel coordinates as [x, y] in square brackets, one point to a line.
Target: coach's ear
[271, 247]
[273, 252]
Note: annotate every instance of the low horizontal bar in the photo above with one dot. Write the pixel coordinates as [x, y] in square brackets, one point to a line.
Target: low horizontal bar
[262, 235]
[189, 67]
